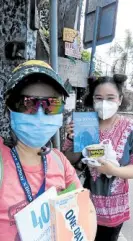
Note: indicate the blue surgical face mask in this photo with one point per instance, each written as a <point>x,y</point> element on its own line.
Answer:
<point>35,130</point>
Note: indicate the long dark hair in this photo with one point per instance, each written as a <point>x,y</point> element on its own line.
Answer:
<point>117,80</point>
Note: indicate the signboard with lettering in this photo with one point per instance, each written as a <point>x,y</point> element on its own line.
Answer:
<point>72,50</point>
<point>69,35</point>
<point>72,43</point>
<point>77,72</point>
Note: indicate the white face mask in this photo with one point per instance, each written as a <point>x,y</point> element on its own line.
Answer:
<point>106,109</point>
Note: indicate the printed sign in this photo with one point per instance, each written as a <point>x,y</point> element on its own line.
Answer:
<point>69,35</point>
<point>74,49</point>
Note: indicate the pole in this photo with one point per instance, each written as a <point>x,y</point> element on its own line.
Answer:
<point>54,51</point>
<point>54,35</point>
<point>94,43</point>
<point>76,18</point>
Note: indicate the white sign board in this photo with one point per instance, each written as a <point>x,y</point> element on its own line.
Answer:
<point>74,49</point>
<point>77,72</point>
<point>71,102</point>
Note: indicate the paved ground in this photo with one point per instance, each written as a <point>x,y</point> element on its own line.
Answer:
<point>128,226</point>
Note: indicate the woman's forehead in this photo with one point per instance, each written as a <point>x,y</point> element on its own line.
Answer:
<point>106,89</point>
<point>40,89</point>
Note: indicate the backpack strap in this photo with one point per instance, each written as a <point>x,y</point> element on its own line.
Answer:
<point>1,169</point>
<point>58,160</point>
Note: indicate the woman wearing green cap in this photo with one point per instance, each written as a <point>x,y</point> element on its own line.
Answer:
<point>34,99</point>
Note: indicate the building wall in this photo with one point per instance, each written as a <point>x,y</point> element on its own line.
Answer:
<point>129,97</point>
<point>14,26</point>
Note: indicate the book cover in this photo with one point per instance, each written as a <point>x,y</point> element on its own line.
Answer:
<point>34,221</point>
<point>86,129</point>
<point>72,217</point>
<point>50,217</point>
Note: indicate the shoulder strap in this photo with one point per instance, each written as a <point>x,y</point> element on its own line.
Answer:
<point>58,160</point>
<point>1,169</point>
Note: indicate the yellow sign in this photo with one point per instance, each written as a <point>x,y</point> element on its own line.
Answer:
<point>69,35</point>
<point>96,153</point>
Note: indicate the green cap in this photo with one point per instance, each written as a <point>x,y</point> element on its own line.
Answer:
<point>33,67</point>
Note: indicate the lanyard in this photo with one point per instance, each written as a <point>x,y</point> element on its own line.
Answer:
<point>22,178</point>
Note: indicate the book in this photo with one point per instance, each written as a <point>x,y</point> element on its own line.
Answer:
<point>86,130</point>
<point>72,217</point>
<point>53,217</point>
<point>34,221</point>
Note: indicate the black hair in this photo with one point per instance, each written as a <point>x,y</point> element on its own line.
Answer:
<point>11,141</point>
<point>117,80</point>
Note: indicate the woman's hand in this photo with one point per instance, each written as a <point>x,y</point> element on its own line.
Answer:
<point>107,168</point>
<point>70,130</point>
